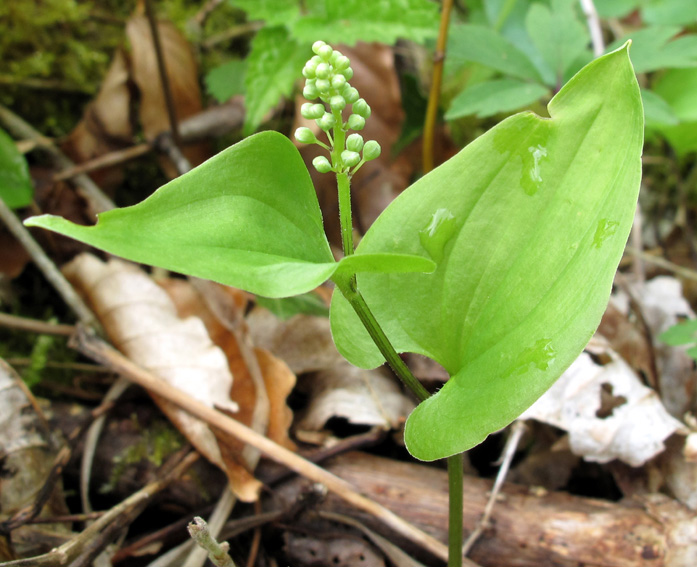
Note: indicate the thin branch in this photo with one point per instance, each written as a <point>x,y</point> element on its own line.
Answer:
<point>217,552</point>
<point>47,267</point>
<point>508,453</point>
<point>97,349</point>
<point>434,94</point>
<point>35,326</point>
<point>594,27</point>
<point>98,201</point>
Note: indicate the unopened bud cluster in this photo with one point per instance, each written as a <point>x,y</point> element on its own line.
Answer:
<point>327,76</point>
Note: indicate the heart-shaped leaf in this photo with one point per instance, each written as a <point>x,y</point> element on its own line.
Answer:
<point>248,217</point>
<point>527,225</point>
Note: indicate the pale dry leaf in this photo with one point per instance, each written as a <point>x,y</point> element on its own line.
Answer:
<point>679,470</point>
<point>142,322</point>
<point>663,305</point>
<point>607,411</point>
<point>336,388</point>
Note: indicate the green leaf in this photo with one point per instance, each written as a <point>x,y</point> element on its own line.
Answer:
<point>657,111</point>
<point>226,80</point>
<point>286,307</point>
<point>491,97</point>
<point>349,21</point>
<point>16,188</point>
<point>527,225</point>
<point>273,66</point>
<point>653,48</point>
<point>684,333</point>
<point>616,8</point>
<point>558,35</point>
<point>678,87</point>
<point>248,218</point>
<point>670,12</point>
<point>273,12</point>
<point>483,45</point>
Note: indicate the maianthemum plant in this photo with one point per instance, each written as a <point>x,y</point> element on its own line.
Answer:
<point>498,264</point>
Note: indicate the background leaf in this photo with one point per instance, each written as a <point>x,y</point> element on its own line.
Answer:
<point>527,225</point>
<point>653,48</point>
<point>349,21</point>
<point>491,97</point>
<point>678,87</point>
<point>227,80</point>
<point>559,36</point>
<point>273,12</point>
<point>16,188</point>
<point>273,66</point>
<point>483,45</point>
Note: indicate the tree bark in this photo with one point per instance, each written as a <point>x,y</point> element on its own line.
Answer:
<point>528,528</point>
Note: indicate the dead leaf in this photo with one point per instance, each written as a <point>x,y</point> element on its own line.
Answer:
<point>142,322</point>
<point>182,71</point>
<point>26,455</point>
<point>335,388</point>
<point>607,411</point>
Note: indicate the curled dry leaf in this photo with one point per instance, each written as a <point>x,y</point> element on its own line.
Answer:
<point>142,322</point>
<point>607,411</point>
<point>264,411</point>
<point>336,388</point>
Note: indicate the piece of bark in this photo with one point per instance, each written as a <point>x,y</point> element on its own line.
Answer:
<point>528,528</point>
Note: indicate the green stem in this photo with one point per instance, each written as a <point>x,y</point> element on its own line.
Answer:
<point>347,286</point>
<point>344,185</point>
<point>455,503</point>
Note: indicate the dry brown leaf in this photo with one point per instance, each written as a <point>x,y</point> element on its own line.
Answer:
<point>142,322</point>
<point>336,388</point>
<point>182,72</point>
<point>277,377</point>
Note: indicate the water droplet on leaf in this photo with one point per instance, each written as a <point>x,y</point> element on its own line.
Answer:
<point>606,228</point>
<point>436,234</point>
<point>540,356</point>
<point>531,179</point>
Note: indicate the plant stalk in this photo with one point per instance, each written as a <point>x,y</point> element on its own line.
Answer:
<point>455,503</point>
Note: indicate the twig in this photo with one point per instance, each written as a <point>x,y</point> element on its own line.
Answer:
<point>681,271</point>
<point>98,201</point>
<point>92,346</point>
<point>71,550</point>
<point>217,552</point>
<point>35,326</point>
<point>47,267</point>
<point>107,160</point>
<point>593,27</point>
<point>434,94</point>
<point>197,556</point>
<point>162,70</point>
<point>508,453</point>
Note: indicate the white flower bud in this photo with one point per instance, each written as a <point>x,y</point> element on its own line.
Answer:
<point>317,46</point>
<point>350,94</point>
<point>350,158</point>
<point>348,73</point>
<point>310,91</point>
<point>305,135</point>
<point>354,142</point>
<point>322,85</point>
<point>322,164</point>
<point>335,57</point>
<point>312,111</point>
<point>323,71</point>
<point>371,150</point>
<point>326,122</point>
<point>361,108</point>
<point>342,63</point>
<point>325,52</point>
<point>356,122</point>
<point>337,102</point>
<point>338,82</point>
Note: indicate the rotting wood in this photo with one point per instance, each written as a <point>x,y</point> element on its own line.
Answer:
<point>528,528</point>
